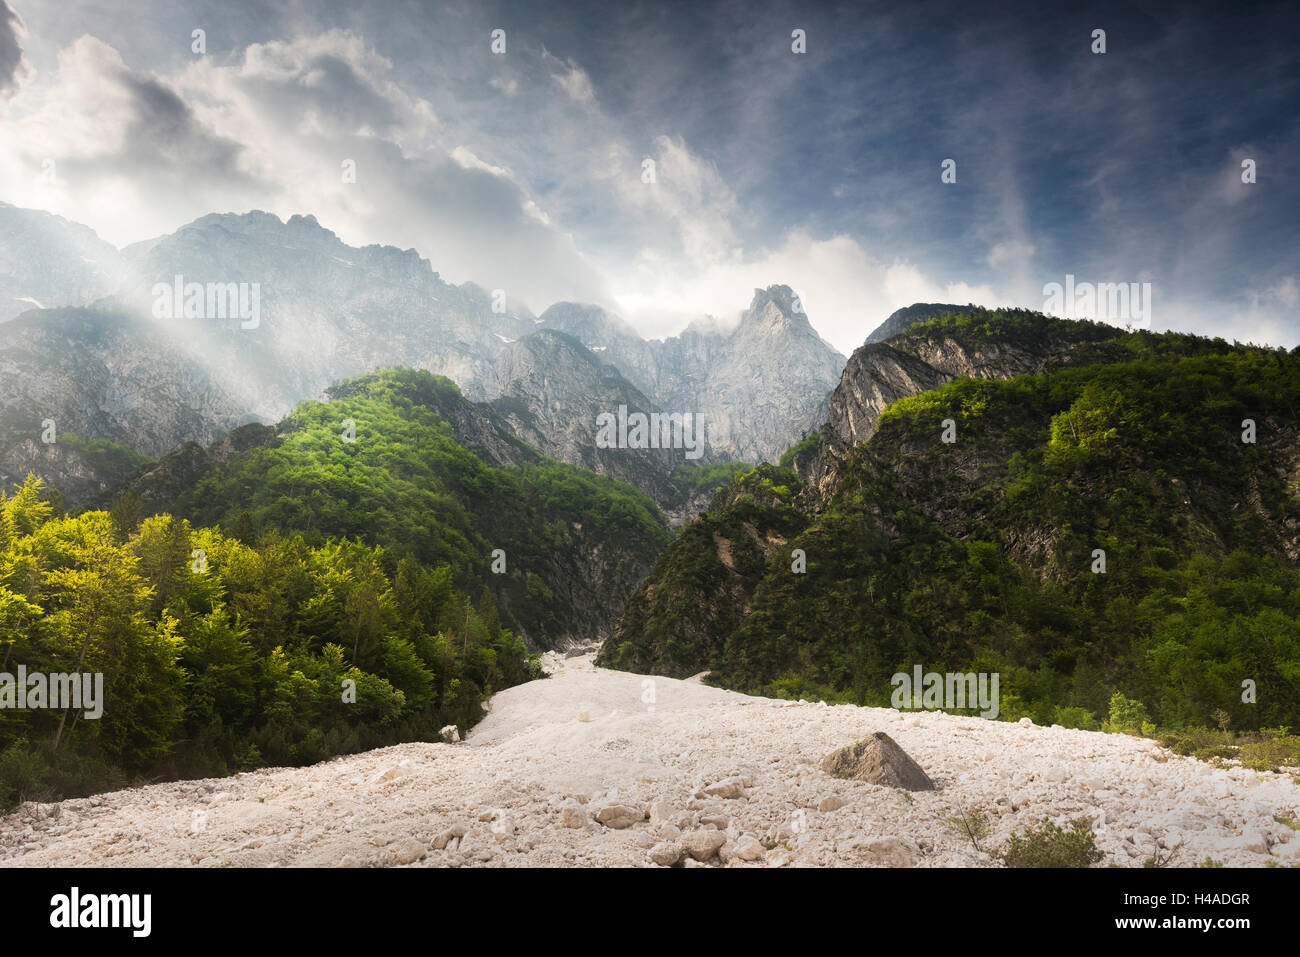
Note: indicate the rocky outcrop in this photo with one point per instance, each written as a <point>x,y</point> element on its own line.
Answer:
<point>881,373</point>
<point>877,760</point>
<point>876,376</point>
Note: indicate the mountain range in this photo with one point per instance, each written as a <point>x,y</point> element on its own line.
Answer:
<point>376,476</point>
<point>106,365</point>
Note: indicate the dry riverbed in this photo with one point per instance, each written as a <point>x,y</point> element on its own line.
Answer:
<point>598,768</point>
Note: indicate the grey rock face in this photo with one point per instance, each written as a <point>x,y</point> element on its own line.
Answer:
<point>769,378</point>
<point>98,375</point>
<point>883,372</point>
<point>878,760</point>
<point>550,389</point>
<point>760,385</point>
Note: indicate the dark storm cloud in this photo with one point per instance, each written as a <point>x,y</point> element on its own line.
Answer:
<point>163,143</point>
<point>165,134</point>
<point>1104,166</point>
<point>11,54</point>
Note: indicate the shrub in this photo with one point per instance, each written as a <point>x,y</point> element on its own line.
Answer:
<point>1048,845</point>
<point>973,824</point>
<point>21,772</point>
<point>1072,717</point>
<point>1270,750</point>
<point>1126,714</point>
<point>1201,742</point>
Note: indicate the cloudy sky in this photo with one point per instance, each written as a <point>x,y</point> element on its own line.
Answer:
<point>523,170</point>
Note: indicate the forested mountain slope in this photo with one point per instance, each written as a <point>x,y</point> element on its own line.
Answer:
<point>395,540</point>
<point>400,459</point>
<point>979,554</point>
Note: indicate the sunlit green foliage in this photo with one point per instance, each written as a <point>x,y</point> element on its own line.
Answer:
<point>690,479</point>
<point>220,656</point>
<point>408,484</point>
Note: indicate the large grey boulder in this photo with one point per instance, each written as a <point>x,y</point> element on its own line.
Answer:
<point>878,760</point>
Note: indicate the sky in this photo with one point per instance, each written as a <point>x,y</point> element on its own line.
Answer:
<point>525,170</point>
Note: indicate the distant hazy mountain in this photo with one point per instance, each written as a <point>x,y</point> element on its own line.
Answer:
<point>327,310</point>
<point>46,261</point>
<point>152,366</point>
<point>758,385</point>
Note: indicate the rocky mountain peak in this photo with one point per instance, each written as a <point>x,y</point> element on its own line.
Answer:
<point>328,311</point>
<point>776,308</point>
<point>297,232</point>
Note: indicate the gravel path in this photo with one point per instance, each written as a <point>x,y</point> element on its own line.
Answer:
<point>597,767</point>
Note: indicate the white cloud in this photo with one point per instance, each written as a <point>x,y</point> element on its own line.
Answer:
<point>846,291</point>
<point>129,156</point>
<point>139,156</point>
<point>1010,253</point>
<point>269,128</point>
<point>574,81</point>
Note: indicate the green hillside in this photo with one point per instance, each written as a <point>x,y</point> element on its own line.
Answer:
<point>979,555</point>
<point>575,543</point>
